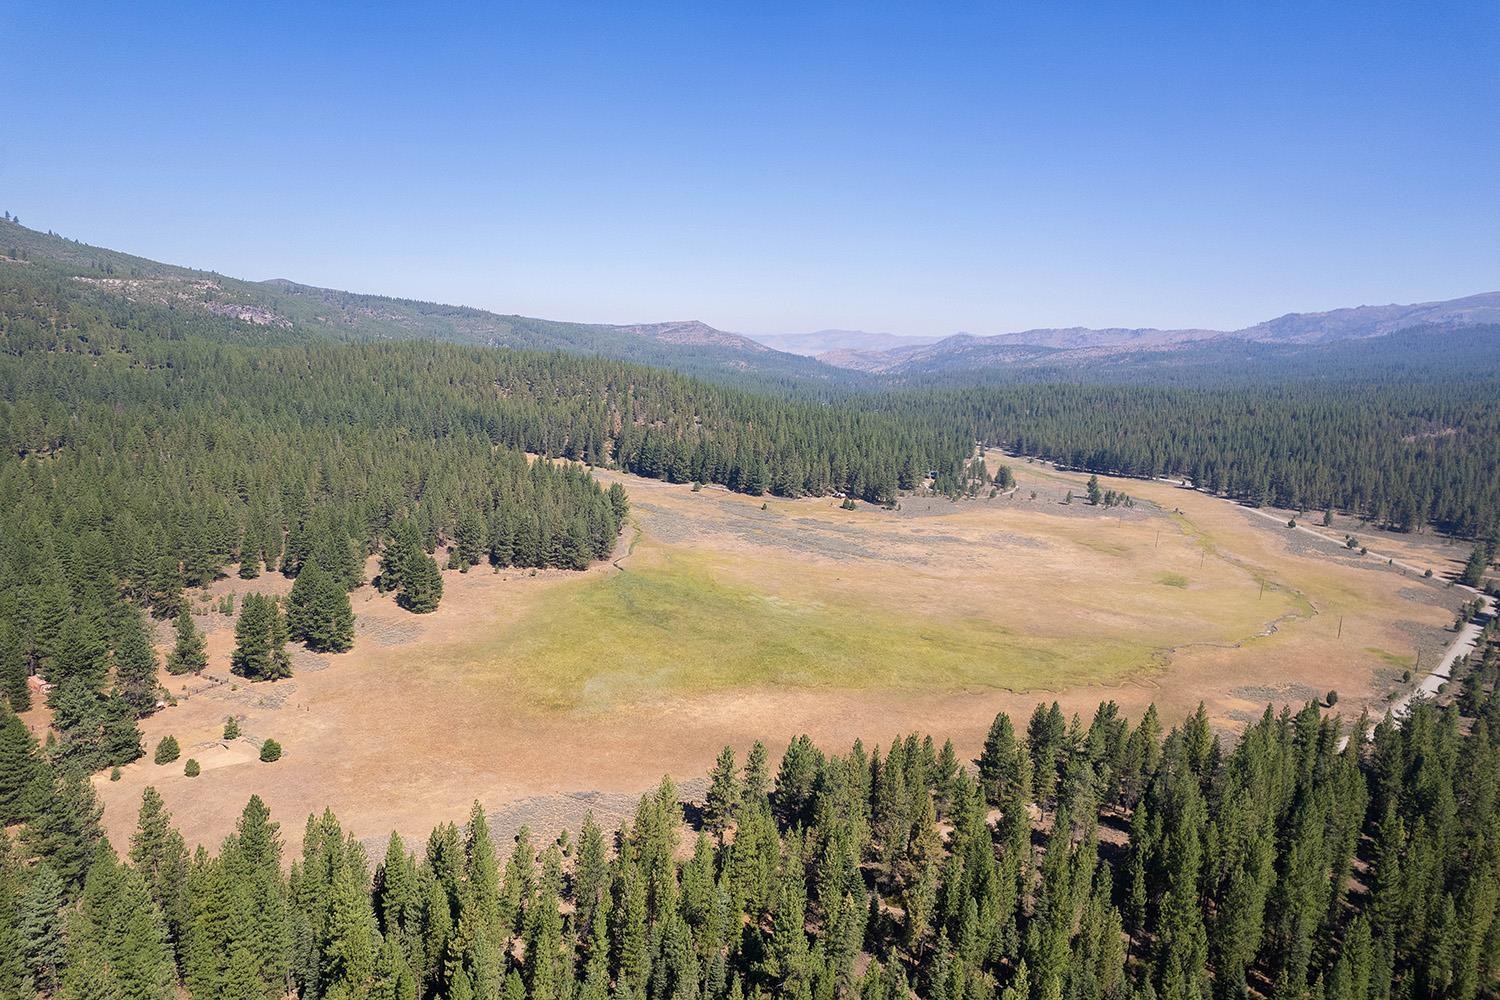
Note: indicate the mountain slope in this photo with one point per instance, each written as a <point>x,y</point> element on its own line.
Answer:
<point>1456,333</point>
<point>290,309</point>
<point>1373,321</point>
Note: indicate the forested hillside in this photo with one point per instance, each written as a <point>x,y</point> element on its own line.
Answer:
<point>280,309</point>
<point>1402,428</point>
<point>1092,861</point>
<point>154,448</point>
<point>1403,454</point>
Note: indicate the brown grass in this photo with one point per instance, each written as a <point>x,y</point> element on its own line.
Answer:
<point>525,685</point>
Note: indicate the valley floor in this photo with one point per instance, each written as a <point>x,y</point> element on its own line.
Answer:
<point>726,618</point>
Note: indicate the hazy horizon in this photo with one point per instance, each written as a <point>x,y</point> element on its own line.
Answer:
<point>780,171</point>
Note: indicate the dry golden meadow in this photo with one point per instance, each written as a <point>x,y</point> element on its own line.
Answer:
<point>721,621</point>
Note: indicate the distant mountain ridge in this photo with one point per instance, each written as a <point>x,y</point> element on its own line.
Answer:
<point>824,341</point>
<point>1082,345</point>
<point>694,332</point>
<point>1293,345</point>
<point>1373,321</point>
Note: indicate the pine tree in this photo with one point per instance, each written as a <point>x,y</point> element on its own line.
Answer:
<point>544,935</point>
<point>723,794</point>
<point>135,665</point>
<point>595,985</point>
<point>1045,738</point>
<point>631,958</point>
<point>339,556</point>
<point>1095,493</point>
<point>158,852</point>
<point>21,769</point>
<point>15,668</point>
<point>96,729</point>
<point>188,654</point>
<point>392,978</point>
<point>482,876</point>
<point>1478,564</point>
<point>40,926</point>
<point>1002,764</point>
<point>468,541</point>
<point>118,918</point>
<point>260,640</point>
<point>421,584</point>
<point>799,769</point>
<point>164,590</point>
<point>590,876</point>
<point>318,611</point>
<point>87,971</point>
<point>349,953</point>
<point>396,894</point>
<point>84,655</point>
<point>13,970</point>
<point>1181,943</point>
<point>167,750</point>
<point>64,829</point>
<point>398,553</point>
<point>757,777</point>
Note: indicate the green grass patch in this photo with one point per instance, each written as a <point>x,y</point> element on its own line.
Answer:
<point>1173,580</point>
<point>1394,660</point>
<point>676,628</point>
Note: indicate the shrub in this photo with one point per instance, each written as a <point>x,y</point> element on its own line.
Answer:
<point>1406,677</point>
<point>231,728</point>
<point>191,768</point>
<point>1428,574</point>
<point>114,774</point>
<point>270,751</point>
<point>1292,523</point>
<point>1333,698</point>
<point>167,750</point>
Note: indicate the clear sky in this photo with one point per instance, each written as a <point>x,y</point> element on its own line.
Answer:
<point>915,168</point>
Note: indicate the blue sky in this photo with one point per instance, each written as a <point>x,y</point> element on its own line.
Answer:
<point>915,168</point>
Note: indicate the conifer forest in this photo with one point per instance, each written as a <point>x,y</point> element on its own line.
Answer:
<point>155,447</point>
<point>1106,859</point>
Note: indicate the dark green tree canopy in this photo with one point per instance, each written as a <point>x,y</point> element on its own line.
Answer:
<point>260,637</point>
<point>318,611</point>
